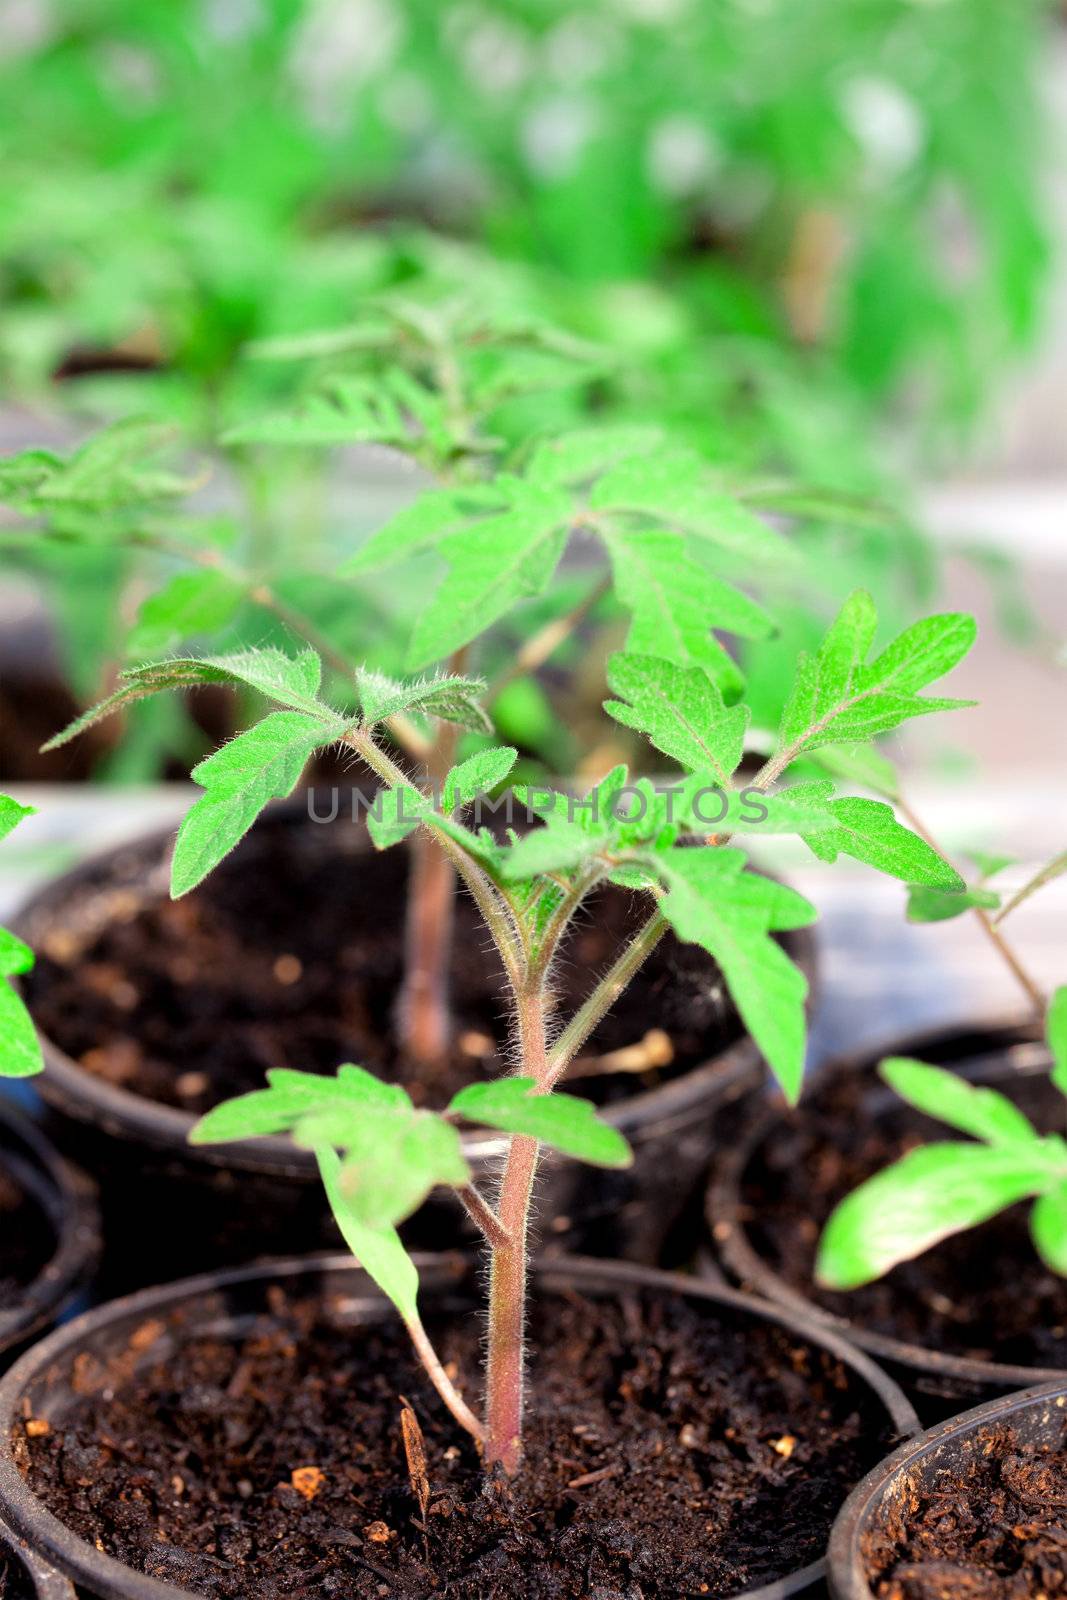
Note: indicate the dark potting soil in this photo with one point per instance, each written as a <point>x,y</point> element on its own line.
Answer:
<point>26,1238</point>
<point>671,1450</point>
<point>984,1294</point>
<point>15,1581</point>
<point>290,955</point>
<point>995,1529</point>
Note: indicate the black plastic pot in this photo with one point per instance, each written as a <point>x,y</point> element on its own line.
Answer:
<point>230,1302</point>
<point>222,1205</point>
<point>1038,1416</point>
<point>67,1200</point>
<point>45,1581</point>
<point>939,1383</point>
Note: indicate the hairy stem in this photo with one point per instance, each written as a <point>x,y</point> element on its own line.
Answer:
<point>483,1216</point>
<point>504,1381</point>
<point>441,1381</point>
<point>425,1018</point>
<point>603,997</point>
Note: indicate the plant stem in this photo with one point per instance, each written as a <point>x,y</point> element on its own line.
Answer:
<point>424,1016</point>
<point>441,1381</point>
<point>537,649</point>
<point>1000,944</point>
<point>603,997</point>
<point>504,1380</point>
<point>483,1216</point>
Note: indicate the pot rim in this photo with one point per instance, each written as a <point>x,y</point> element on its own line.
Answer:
<point>70,1202</point>
<point>110,1578</point>
<point>77,1093</point>
<point>48,1584</point>
<point>846,1573</point>
<point>725,1219</point>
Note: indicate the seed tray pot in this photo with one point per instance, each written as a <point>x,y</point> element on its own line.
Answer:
<point>24,1576</point>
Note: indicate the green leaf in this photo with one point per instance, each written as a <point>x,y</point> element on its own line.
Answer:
<point>937,1092</point>
<point>113,470</point>
<point>868,831</point>
<point>191,603</point>
<point>941,905</point>
<point>573,830</point>
<point>928,1195</point>
<point>492,565</point>
<point>681,711</point>
<point>262,764</point>
<point>710,901</point>
<point>342,410</point>
<point>422,525</point>
<point>11,814</point>
<point>15,957</point>
<point>20,1048</point>
<point>1056,1034</point>
<point>292,681</point>
<point>453,699</point>
<point>586,453</point>
<point>859,764</point>
<point>378,1250</point>
<point>396,813</point>
<point>839,699</point>
<point>1048,1228</point>
<point>479,774</point>
<point>562,1121</point>
<point>391,1154</point>
<point>675,603</point>
<point>676,487</point>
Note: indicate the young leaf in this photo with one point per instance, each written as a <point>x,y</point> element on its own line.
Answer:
<point>112,470</point>
<point>868,831</point>
<point>291,681</point>
<point>675,604</point>
<point>453,699</point>
<point>396,813</point>
<point>711,902</point>
<point>937,1092</point>
<point>941,905</point>
<point>476,776</point>
<point>929,1194</point>
<point>1048,1228</point>
<point>342,410</point>
<point>378,1250</point>
<point>262,764</point>
<point>838,699</point>
<point>681,711</point>
<point>1056,1034</point>
<point>561,1120</point>
<point>492,565</point>
<point>11,814</point>
<point>422,525</point>
<point>586,453</point>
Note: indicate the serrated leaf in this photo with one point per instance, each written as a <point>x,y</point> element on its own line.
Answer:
<point>710,901</point>
<point>936,1092</point>
<point>1048,1228</point>
<point>839,699</point>
<point>453,699</point>
<point>676,487</point>
<point>292,681</point>
<point>422,525</point>
<point>477,775</point>
<point>573,830</point>
<point>492,565</point>
<point>396,813</point>
<point>191,603</point>
<point>681,711</point>
<point>1056,1034</point>
<point>941,905</point>
<point>378,1250</point>
<point>11,814</point>
<point>341,410</point>
<point>563,1121</point>
<point>675,603</point>
<point>928,1195</point>
<point>262,764</point>
<point>114,469</point>
<point>868,831</point>
<point>289,1096</point>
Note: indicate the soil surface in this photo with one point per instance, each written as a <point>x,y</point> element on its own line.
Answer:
<point>290,955</point>
<point>26,1239</point>
<point>948,1298</point>
<point>15,1581</point>
<point>671,1450</point>
<point>994,1530</point>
